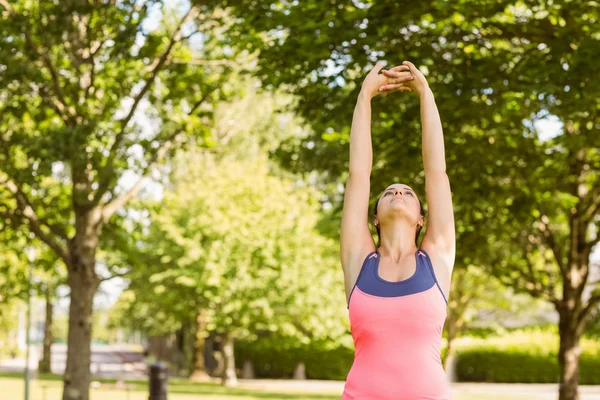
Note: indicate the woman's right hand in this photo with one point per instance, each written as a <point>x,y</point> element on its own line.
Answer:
<point>375,80</point>
<point>418,84</point>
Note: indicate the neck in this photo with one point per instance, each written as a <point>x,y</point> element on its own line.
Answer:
<point>398,239</point>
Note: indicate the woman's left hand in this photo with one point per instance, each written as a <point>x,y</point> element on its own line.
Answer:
<point>418,85</point>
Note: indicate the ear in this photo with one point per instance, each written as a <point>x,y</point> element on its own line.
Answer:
<point>375,222</point>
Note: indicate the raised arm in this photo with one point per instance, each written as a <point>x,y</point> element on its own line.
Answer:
<point>440,235</point>
<point>355,238</point>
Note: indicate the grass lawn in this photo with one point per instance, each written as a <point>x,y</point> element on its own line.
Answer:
<point>13,388</point>
<point>50,388</point>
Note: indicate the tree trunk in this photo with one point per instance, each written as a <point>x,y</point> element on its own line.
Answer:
<point>450,361</point>
<point>248,371</point>
<point>83,282</point>
<point>199,373</point>
<point>178,356</point>
<point>453,327</point>
<point>77,372</point>
<point>568,358</point>
<point>299,371</point>
<point>45,364</point>
<point>160,348</point>
<point>229,376</point>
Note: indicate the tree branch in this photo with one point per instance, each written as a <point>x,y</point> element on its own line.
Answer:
<point>43,93</point>
<point>535,283</point>
<point>11,215</point>
<point>46,61</point>
<point>53,73</point>
<point>114,205</point>
<point>6,5</point>
<point>85,53</point>
<point>202,62</point>
<point>551,241</point>
<point>119,275</point>
<point>119,202</point>
<point>592,204</point>
<point>36,224</point>
<point>531,285</point>
<point>590,245</point>
<point>586,312</point>
<point>509,32</point>
<point>23,201</point>
<point>154,70</point>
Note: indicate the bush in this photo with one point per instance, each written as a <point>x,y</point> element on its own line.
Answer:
<point>277,358</point>
<point>479,365</point>
<point>525,356</point>
<point>522,357</point>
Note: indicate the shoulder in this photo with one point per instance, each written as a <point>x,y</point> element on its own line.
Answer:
<point>354,267</point>
<point>441,256</point>
<point>442,261</point>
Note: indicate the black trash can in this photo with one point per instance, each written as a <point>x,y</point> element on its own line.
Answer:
<point>159,374</point>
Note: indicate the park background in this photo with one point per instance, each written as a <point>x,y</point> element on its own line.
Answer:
<point>172,176</point>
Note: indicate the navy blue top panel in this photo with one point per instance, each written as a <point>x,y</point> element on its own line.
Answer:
<point>371,283</point>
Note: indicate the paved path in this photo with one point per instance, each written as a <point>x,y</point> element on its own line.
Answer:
<point>107,361</point>
<point>475,390</point>
<point>121,362</point>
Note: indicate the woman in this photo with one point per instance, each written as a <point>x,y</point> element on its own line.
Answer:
<point>397,291</point>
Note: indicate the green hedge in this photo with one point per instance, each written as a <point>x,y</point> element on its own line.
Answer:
<point>522,357</point>
<point>519,357</point>
<point>277,359</point>
<point>479,365</point>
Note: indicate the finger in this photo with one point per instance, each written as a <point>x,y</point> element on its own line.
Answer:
<point>407,77</point>
<point>385,88</point>
<point>400,68</point>
<point>402,89</point>
<point>411,66</point>
<point>396,74</point>
<point>375,70</point>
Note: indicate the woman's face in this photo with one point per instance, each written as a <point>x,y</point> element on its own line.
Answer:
<point>399,198</point>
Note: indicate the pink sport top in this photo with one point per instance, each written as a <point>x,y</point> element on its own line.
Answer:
<point>397,333</point>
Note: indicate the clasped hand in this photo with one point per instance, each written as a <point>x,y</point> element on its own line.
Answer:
<point>402,78</point>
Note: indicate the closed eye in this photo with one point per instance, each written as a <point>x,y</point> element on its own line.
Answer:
<point>407,192</point>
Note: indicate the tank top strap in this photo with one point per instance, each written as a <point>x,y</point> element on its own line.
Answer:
<point>422,255</point>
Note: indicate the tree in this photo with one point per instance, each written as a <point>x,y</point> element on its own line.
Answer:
<point>76,78</point>
<point>53,276</point>
<point>482,301</point>
<point>19,281</point>
<point>530,207</point>
<point>13,287</point>
<point>232,246</point>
